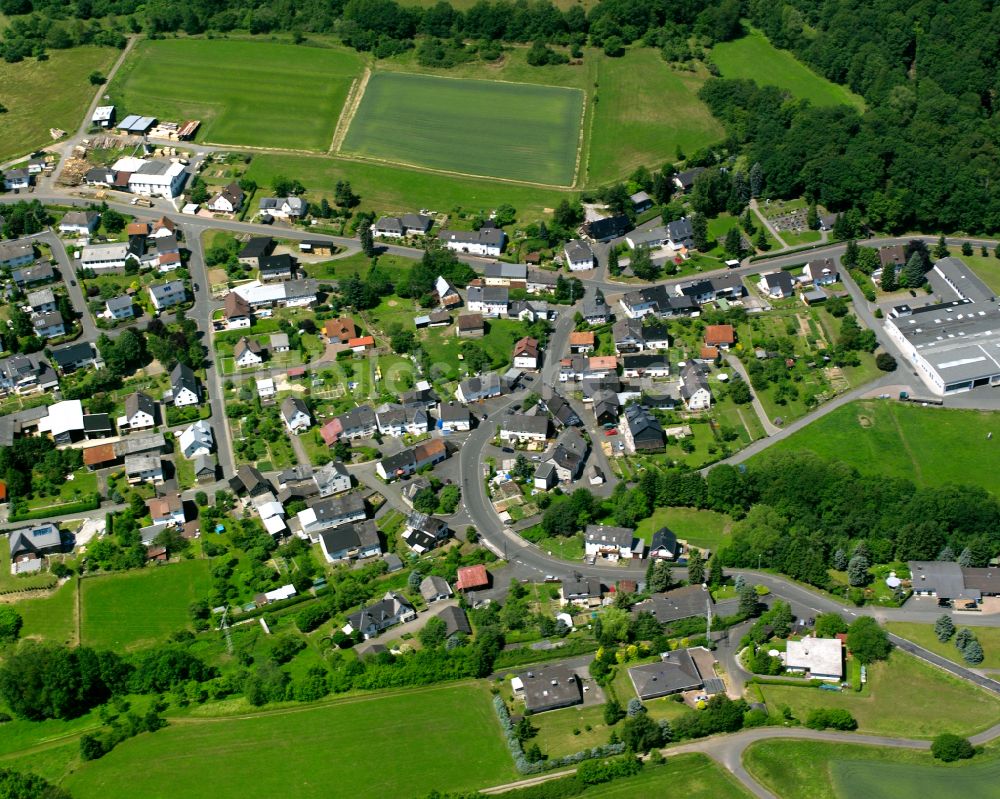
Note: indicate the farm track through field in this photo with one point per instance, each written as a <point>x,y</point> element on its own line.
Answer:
<point>354,96</point>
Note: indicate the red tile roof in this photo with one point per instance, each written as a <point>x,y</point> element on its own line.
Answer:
<point>719,334</point>
<point>472,577</point>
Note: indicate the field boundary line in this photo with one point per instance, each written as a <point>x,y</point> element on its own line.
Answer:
<point>487,80</point>
<point>354,97</point>
<point>581,141</point>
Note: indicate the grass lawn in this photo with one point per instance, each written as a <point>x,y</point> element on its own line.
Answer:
<point>506,130</point>
<point>814,770</point>
<point>47,94</point>
<point>395,266</point>
<point>798,239</point>
<point>703,528</point>
<point>923,635</point>
<point>244,92</point>
<point>754,57</point>
<point>52,618</point>
<point>692,776</point>
<point>644,112</point>
<point>452,734</point>
<point>84,483</point>
<point>905,440</point>
<point>902,694</point>
<point>124,611</point>
<point>393,189</point>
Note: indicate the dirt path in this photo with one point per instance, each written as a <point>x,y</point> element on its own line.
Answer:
<point>354,97</point>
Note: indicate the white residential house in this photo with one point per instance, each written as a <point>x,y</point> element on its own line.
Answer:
<point>453,418</point>
<point>158,178</point>
<point>695,392</point>
<point>168,294</point>
<point>486,241</point>
<point>42,301</point>
<point>526,353</point>
<point>168,510</point>
<point>265,388</point>
<point>488,300</point>
<point>247,352</point>
<point>143,469</point>
<point>579,256</point>
<point>196,440</point>
<point>776,285</point>
<point>119,308</point>
<point>80,223</point>
<point>522,428</point>
<point>609,543</point>
<point>105,257</point>
<point>49,325</point>
<point>821,273</point>
<point>140,412</point>
<point>819,658</point>
<point>295,414</point>
<point>184,387</point>
<point>332,478</point>
<point>283,207</point>
<point>16,179</point>
<point>236,311</point>
<point>227,201</point>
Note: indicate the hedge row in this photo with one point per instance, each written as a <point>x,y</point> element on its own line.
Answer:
<point>58,510</point>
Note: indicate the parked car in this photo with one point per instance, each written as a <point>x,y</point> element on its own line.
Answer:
<point>611,432</point>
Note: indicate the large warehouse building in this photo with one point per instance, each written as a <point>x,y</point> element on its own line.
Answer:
<point>954,345</point>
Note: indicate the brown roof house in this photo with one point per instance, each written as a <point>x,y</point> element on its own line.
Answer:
<point>471,326</point>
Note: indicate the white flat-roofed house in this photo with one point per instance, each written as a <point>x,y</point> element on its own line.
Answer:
<point>158,178</point>
<point>579,256</point>
<point>818,658</point>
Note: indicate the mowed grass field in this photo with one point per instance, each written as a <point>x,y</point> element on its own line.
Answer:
<point>391,189</point>
<point>930,445</point>
<point>691,776</point>
<point>923,635</point>
<point>249,93</point>
<point>754,57</point>
<point>47,94</point>
<point>505,130</point>
<point>904,696</point>
<point>816,770</point>
<point>442,737</point>
<point>644,112</point>
<point>136,608</point>
<point>703,528</point>
<point>50,618</point>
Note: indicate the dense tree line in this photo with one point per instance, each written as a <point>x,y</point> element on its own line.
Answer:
<point>382,26</point>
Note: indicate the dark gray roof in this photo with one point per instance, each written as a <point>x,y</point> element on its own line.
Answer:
<point>72,353</point>
<point>664,538</point>
<point>676,672</point>
<point>182,376</point>
<point>549,687</point>
<point>681,603</point>
<point>455,621</point>
<point>257,247</point>
<point>119,303</point>
<point>139,402</point>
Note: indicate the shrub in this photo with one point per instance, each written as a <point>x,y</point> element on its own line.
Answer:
<point>834,718</point>
<point>949,748</point>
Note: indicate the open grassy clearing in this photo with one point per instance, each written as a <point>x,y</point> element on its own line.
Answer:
<point>506,130</point>
<point>703,528</point>
<point>389,189</point>
<point>47,94</point>
<point>452,740</point>
<point>259,94</point>
<point>644,112</point>
<point>923,635</point>
<point>122,611</point>
<point>902,693</point>
<point>53,617</point>
<point>815,770</point>
<point>754,57</point>
<point>906,440</point>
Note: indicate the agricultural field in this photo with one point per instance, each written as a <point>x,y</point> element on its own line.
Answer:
<point>902,693</point>
<point>435,723</point>
<point>703,528</point>
<point>496,129</point>
<point>814,770</point>
<point>905,440</point>
<point>259,94</point>
<point>137,608</point>
<point>754,57</point>
<point>644,112</point>
<point>47,94</point>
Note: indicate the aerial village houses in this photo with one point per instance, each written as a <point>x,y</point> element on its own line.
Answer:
<point>485,241</point>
